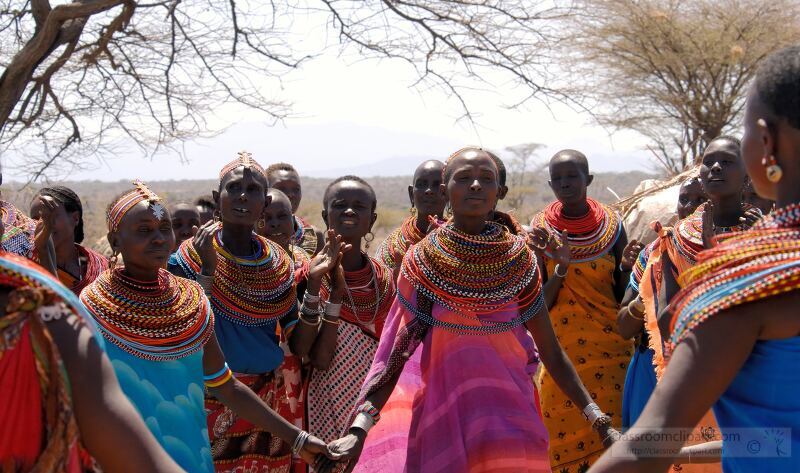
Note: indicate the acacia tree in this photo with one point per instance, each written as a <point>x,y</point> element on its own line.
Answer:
<point>82,76</point>
<point>675,71</point>
<point>520,166</point>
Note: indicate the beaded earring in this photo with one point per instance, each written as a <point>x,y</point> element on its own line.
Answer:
<point>368,239</point>
<point>413,211</point>
<point>774,171</point>
<point>112,262</point>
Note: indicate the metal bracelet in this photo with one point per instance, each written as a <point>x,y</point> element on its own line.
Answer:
<point>332,309</point>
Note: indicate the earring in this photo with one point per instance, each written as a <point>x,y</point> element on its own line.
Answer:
<point>368,239</point>
<point>774,171</point>
<point>112,262</point>
<point>448,212</point>
<point>261,223</point>
<point>413,211</point>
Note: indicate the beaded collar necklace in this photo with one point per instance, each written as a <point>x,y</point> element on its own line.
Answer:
<point>688,234</point>
<point>590,236</point>
<point>474,275</point>
<point>370,293</point>
<point>743,267</point>
<point>19,230</point>
<point>255,290</point>
<point>394,247</point>
<point>160,320</point>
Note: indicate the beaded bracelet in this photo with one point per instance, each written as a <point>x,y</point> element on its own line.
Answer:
<point>372,411</point>
<point>219,378</point>
<point>304,310</point>
<point>300,441</point>
<point>310,298</point>
<point>332,309</point>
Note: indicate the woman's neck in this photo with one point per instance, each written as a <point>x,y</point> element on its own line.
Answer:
<point>727,210</point>
<point>353,260</point>
<point>787,194</point>
<point>575,210</point>
<point>67,256</point>
<point>237,239</point>
<point>470,225</point>
<point>422,223</point>
<point>141,274</point>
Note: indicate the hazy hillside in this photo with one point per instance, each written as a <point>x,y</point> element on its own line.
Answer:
<point>392,193</point>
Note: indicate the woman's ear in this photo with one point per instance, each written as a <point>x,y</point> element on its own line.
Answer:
<point>113,241</point>
<point>589,179</point>
<point>373,220</point>
<point>325,218</point>
<point>411,195</point>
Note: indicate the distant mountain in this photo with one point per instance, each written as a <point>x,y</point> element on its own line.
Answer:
<point>395,166</point>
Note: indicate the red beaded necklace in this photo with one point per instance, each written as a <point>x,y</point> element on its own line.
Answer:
<point>590,236</point>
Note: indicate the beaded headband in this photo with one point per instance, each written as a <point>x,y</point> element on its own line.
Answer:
<point>139,193</point>
<point>452,156</point>
<point>245,160</point>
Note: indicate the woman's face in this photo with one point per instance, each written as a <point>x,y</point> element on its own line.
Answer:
<point>425,195</point>
<point>144,237</point>
<point>242,197</point>
<point>350,210</point>
<point>690,196</point>
<point>287,182</point>
<point>472,186</point>
<point>568,180</point>
<point>185,217</point>
<point>721,170</point>
<point>278,221</point>
<point>64,223</point>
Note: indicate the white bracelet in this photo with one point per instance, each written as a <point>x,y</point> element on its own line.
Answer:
<point>363,421</point>
<point>310,298</point>
<point>333,310</point>
<point>592,412</point>
<point>557,274</point>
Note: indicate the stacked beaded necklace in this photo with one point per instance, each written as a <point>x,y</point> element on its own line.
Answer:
<point>301,262</point>
<point>688,234</point>
<point>394,247</point>
<point>255,290</point>
<point>18,231</point>
<point>590,236</point>
<point>370,294</point>
<point>473,275</point>
<point>641,263</point>
<point>305,236</point>
<point>95,264</point>
<point>160,320</point>
<point>743,267</point>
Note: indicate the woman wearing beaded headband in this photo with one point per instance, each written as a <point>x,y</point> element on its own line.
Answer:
<point>77,265</point>
<point>160,333</point>
<point>585,281</point>
<point>426,202</point>
<point>358,295</point>
<point>467,292</point>
<point>253,296</point>
<point>735,323</point>
<point>58,391</point>
<point>285,178</point>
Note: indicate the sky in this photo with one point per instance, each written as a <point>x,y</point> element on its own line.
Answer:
<point>363,116</point>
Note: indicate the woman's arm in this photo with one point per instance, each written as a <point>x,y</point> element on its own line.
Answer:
<point>622,264</point>
<point>630,319</point>
<point>244,402</point>
<point>714,352</point>
<point>325,345</point>
<point>105,416</point>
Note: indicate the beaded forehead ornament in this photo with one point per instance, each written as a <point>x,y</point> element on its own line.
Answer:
<point>243,159</point>
<point>139,193</point>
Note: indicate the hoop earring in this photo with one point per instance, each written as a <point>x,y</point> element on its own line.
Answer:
<point>773,170</point>
<point>261,223</point>
<point>448,212</point>
<point>368,239</point>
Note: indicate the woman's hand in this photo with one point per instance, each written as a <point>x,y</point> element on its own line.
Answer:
<point>608,436</point>
<point>339,285</point>
<point>349,447</point>
<point>559,249</point>
<point>317,454</point>
<point>709,229</point>
<point>203,241</point>
<point>538,238</point>
<point>326,260</point>
<point>42,239</point>
<point>630,254</point>
<point>751,217</point>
